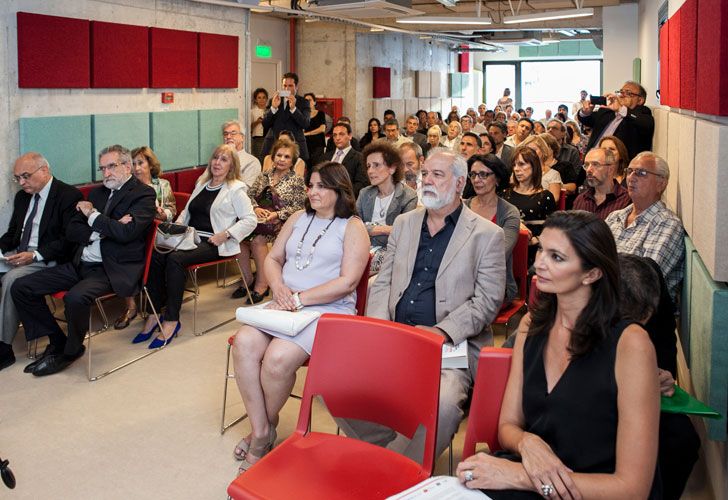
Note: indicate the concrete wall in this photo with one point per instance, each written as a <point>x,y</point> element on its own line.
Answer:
<point>177,14</point>
<point>620,30</point>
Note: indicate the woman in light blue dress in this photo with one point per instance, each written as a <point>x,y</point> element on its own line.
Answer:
<point>316,262</point>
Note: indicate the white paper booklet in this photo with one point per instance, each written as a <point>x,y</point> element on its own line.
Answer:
<point>4,267</point>
<point>285,322</point>
<point>455,356</point>
<point>440,488</point>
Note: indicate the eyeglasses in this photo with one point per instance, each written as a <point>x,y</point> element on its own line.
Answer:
<point>640,172</point>
<point>595,164</point>
<point>110,166</point>
<point>25,176</point>
<point>232,133</point>
<point>626,93</point>
<point>482,175</point>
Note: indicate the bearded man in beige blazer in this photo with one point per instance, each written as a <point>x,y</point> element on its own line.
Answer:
<point>445,272</point>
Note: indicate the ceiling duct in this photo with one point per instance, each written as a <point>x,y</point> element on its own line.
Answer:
<point>364,9</point>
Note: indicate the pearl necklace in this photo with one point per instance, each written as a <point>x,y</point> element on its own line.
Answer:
<point>299,266</point>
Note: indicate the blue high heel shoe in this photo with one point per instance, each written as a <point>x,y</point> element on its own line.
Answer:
<point>157,342</point>
<point>144,336</point>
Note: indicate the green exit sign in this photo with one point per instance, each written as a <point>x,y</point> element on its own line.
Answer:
<point>263,51</point>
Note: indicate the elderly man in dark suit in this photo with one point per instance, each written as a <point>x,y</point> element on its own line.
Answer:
<point>287,112</point>
<point>109,258</point>
<point>346,155</point>
<point>35,238</point>
<point>625,116</point>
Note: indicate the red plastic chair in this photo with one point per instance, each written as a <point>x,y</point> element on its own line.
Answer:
<point>362,290</point>
<point>180,201</point>
<point>186,179</point>
<point>520,274</point>
<point>363,368</point>
<point>490,385</point>
<point>170,177</point>
<point>224,261</point>
<point>149,247</point>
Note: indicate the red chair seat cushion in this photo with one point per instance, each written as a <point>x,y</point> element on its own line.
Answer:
<point>320,465</point>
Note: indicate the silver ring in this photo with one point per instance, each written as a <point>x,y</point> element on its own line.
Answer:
<point>546,490</point>
<point>468,475</point>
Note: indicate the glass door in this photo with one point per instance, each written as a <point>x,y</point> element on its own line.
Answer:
<point>499,76</point>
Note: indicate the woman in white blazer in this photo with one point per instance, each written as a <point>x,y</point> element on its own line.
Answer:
<point>221,212</point>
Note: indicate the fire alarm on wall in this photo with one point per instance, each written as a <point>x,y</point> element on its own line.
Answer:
<point>167,97</point>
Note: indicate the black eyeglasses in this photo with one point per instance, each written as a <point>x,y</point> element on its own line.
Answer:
<point>482,175</point>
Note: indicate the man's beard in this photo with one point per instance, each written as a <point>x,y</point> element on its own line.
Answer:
<point>437,201</point>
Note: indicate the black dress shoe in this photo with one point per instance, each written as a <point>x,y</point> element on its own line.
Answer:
<point>56,363</point>
<point>257,297</point>
<point>7,359</point>
<point>49,351</point>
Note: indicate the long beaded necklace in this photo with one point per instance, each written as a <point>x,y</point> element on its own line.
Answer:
<point>313,247</point>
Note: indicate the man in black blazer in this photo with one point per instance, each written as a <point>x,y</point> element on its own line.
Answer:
<point>110,258</point>
<point>345,154</point>
<point>288,112</point>
<point>330,146</point>
<point>625,116</point>
<point>35,237</point>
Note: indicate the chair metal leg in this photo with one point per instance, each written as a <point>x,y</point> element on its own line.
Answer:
<point>449,457</point>
<point>91,334</point>
<point>195,284</point>
<point>228,376</point>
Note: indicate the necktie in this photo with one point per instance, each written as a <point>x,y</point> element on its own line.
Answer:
<point>339,154</point>
<point>28,227</point>
<point>108,203</point>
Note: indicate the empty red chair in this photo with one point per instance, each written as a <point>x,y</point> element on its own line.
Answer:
<point>490,385</point>
<point>367,369</point>
<point>520,274</point>
<point>180,200</point>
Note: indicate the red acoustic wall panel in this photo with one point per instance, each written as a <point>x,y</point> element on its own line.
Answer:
<point>382,82</point>
<point>688,53</point>
<point>674,47</point>
<point>464,62</point>
<point>53,52</point>
<point>664,63</point>
<point>712,67</point>
<point>172,58</point>
<point>119,55</point>
<point>218,55</point>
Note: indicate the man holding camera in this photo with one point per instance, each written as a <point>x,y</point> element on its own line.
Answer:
<point>287,111</point>
<point>623,115</point>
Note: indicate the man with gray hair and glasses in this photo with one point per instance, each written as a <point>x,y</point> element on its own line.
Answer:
<point>604,194</point>
<point>232,133</point>
<point>444,272</point>
<point>35,238</point>
<point>648,228</point>
<point>110,258</point>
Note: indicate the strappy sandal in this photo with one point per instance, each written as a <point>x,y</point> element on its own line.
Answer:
<point>258,450</point>
<point>242,448</point>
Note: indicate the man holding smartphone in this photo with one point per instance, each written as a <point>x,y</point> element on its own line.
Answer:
<point>287,111</point>
<point>623,115</point>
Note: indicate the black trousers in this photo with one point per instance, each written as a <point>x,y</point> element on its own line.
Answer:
<point>84,283</point>
<point>168,274</point>
<point>678,452</point>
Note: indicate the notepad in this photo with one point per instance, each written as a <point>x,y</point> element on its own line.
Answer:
<point>440,488</point>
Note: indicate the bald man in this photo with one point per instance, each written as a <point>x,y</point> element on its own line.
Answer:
<point>35,238</point>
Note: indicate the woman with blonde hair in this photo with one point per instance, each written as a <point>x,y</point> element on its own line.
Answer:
<point>221,212</point>
<point>550,178</point>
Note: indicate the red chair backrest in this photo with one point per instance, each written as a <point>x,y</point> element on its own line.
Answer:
<point>519,256</point>
<point>148,249</point>
<point>376,370</point>
<point>562,200</point>
<point>180,200</point>
<point>362,289</point>
<point>490,385</point>
<point>86,189</point>
<point>532,292</point>
<point>186,179</point>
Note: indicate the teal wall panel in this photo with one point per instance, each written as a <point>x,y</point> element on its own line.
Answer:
<point>175,138</point>
<point>65,141</point>
<point>709,344</point>
<point>131,130</point>
<point>564,48</point>
<point>210,123</point>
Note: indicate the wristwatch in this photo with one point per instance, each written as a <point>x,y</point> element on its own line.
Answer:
<point>297,301</point>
